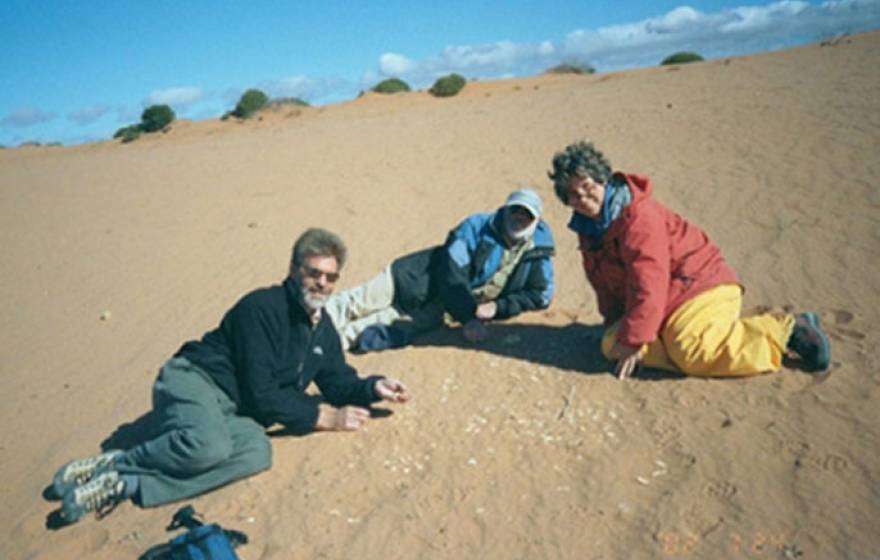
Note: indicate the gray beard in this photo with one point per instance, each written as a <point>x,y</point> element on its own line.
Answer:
<point>312,301</point>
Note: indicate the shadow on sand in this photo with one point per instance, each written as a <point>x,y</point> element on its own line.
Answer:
<point>574,347</point>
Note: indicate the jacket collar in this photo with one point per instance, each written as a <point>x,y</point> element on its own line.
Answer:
<point>639,186</point>
<point>298,312</point>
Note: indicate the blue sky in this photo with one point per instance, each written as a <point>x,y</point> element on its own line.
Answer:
<point>77,70</point>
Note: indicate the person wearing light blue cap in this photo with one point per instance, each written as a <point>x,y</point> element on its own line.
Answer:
<point>493,266</point>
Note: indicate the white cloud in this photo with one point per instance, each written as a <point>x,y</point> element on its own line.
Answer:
<point>735,31</point>
<point>25,117</point>
<point>675,21</point>
<point>751,18</point>
<point>503,53</point>
<point>490,59</point>
<point>304,87</point>
<point>391,64</point>
<point>178,97</point>
<point>546,48</point>
<point>88,115</point>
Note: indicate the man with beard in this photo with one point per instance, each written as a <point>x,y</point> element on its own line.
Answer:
<point>493,266</point>
<point>217,395</point>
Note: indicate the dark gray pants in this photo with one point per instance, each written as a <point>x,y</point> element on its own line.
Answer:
<point>203,443</point>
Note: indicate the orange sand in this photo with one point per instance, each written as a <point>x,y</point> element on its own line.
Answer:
<point>522,447</point>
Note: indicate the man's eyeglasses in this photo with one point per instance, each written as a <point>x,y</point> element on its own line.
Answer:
<point>314,273</point>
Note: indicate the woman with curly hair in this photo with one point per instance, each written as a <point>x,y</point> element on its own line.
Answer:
<point>668,297</point>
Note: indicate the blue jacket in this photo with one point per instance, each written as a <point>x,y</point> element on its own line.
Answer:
<point>468,259</point>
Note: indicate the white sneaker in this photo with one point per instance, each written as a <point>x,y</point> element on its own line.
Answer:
<point>81,471</point>
<point>101,495</point>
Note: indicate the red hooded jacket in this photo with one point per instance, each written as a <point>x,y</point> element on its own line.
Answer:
<point>650,261</point>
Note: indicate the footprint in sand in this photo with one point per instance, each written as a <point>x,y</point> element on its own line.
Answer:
<point>804,455</point>
<point>721,489</point>
<point>839,318</point>
<point>849,333</point>
<point>842,317</point>
<point>665,431</point>
<point>797,448</point>
<point>831,462</point>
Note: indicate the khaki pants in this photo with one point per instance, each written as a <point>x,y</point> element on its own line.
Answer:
<point>372,303</point>
<point>706,337</point>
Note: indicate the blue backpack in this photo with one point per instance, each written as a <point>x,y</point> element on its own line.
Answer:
<point>200,542</point>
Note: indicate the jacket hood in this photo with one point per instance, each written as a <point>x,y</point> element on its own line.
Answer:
<point>542,236</point>
<point>639,185</point>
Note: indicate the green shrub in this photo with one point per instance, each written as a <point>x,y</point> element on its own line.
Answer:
<point>251,101</point>
<point>571,68</point>
<point>447,86</point>
<point>391,85</point>
<point>280,102</point>
<point>681,57</point>
<point>129,133</point>
<point>127,130</point>
<point>156,117</point>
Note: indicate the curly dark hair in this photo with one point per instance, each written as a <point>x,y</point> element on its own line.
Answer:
<point>580,159</point>
<point>318,242</point>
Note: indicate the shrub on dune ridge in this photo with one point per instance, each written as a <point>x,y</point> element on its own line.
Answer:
<point>128,133</point>
<point>253,101</point>
<point>447,86</point>
<point>156,117</point>
<point>571,68</point>
<point>391,85</point>
<point>681,57</point>
<point>250,102</point>
<point>282,101</point>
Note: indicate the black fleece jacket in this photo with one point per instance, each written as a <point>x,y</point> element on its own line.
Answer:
<point>265,353</point>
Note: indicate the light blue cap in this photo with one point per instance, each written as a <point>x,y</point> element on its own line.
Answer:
<point>528,199</point>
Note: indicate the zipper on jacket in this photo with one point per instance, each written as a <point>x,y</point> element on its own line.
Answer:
<point>309,349</point>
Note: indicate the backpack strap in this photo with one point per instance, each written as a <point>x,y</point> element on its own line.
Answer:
<point>185,517</point>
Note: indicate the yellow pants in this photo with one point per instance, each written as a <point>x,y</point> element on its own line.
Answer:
<point>706,337</point>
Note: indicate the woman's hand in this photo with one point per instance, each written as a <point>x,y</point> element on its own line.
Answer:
<point>629,359</point>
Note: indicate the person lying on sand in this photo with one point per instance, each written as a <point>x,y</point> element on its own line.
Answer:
<point>494,265</point>
<point>217,395</point>
<point>668,297</point>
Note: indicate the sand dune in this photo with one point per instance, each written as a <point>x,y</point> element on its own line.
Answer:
<point>522,447</point>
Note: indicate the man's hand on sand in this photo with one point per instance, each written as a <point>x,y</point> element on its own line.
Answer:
<point>391,389</point>
<point>474,330</point>
<point>345,419</point>
<point>486,310</point>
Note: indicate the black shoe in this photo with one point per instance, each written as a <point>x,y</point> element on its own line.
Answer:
<point>380,337</point>
<point>810,342</point>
